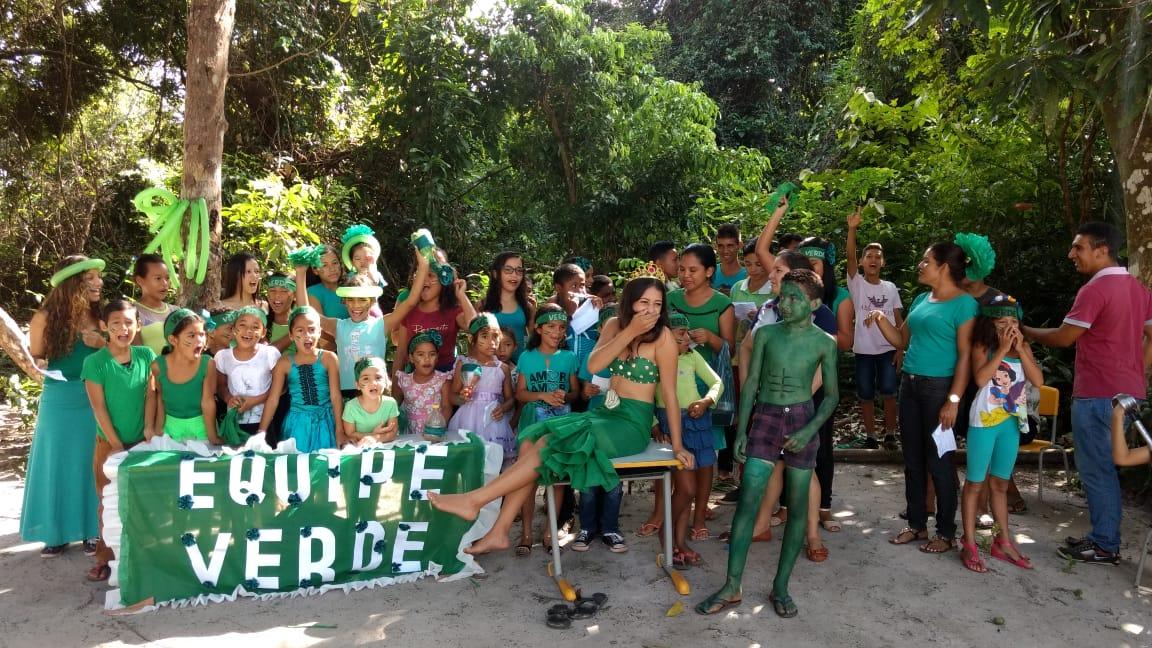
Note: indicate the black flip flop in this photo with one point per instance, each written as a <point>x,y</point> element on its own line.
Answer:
<point>586,608</point>
<point>784,606</point>
<point>523,550</point>
<point>559,617</point>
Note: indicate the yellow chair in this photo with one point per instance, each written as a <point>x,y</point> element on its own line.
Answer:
<point>1049,406</point>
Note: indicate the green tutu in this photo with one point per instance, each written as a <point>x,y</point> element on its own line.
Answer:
<point>185,429</point>
<point>581,446</point>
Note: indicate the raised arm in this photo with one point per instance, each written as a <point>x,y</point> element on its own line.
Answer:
<point>764,241</point>
<point>392,320</point>
<point>850,258</point>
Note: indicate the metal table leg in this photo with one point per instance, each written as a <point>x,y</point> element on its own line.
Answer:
<point>555,569</point>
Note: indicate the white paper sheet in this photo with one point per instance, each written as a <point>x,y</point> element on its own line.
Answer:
<point>945,440</point>
<point>585,317</point>
<point>743,310</point>
<point>54,374</point>
<point>602,382</point>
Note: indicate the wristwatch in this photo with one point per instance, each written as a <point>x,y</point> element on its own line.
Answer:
<point>954,399</point>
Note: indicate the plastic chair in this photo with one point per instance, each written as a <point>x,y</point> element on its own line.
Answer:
<point>1049,406</point>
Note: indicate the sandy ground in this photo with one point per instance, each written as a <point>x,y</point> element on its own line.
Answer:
<point>869,593</point>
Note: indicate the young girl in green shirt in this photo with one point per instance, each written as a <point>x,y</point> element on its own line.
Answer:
<point>186,380</point>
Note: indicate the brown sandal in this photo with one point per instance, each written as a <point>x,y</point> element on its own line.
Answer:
<point>938,545</point>
<point>908,535</point>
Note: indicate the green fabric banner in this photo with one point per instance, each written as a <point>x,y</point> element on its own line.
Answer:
<point>194,526</point>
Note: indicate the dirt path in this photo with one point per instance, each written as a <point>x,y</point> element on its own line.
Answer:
<point>869,593</point>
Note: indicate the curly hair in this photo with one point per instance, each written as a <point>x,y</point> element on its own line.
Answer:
<point>67,310</point>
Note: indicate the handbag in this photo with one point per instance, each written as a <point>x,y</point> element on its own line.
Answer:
<point>724,414</point>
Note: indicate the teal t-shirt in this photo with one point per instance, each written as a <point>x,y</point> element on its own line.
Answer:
<point>933,324</point>
<point>356,340</point>
<point>331,305</point>
<point>125,388</point>
<point>841,294</point>
<point>547,373</point>
<point>366,421</point>
<point>723,281</point>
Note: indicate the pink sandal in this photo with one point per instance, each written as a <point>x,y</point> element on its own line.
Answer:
<point>998,553</point>
<point>970,554</point>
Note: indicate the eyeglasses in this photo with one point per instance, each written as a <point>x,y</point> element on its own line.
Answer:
<point>513,270</point>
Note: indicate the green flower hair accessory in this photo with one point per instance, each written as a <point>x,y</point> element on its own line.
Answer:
<point>1002,306</point>
<point>359,292</point>
<point>371,361</point>
<point>173,320</point>
<point>483,321</point>
<point>582,262</point>
<point>981,258</point>
<point>284,283</point>
<point>607,313</point>
<point>253,311</point>
<point>74,269</point>
<point>676,320</point>
<point>307,256</point>
<point>354,235</point>
<point>433,336</point>
<point>551,316</point>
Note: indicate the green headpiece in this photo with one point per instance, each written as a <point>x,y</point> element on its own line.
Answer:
<point>359,292</point>
<point>223,318</point>
<point>277,281</point>
<point>354,235</point>
<point>981,258</point>
<point>173,320</point>
<point>307,256</point>
<point>814,252</point>
<point>483,321</point>
<point>432,336</point>
<point>302,310</point>
<point>1002,305</point>
<point>371,361</point>
<point>253,311</point>
<point>676,320</point>
<point>551,316</point>
<point>607,313</point>
<point>74,269</point>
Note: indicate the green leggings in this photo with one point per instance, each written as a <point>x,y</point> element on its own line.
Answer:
<point>993,450</point>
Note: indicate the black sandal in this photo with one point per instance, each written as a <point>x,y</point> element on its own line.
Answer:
<point>559,617</point>
<point>783,605</point>
<point>586,608</point>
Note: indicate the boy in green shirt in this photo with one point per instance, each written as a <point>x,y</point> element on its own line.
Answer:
<point>118,380</point>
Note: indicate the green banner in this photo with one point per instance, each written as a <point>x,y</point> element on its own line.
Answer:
<point>186,526</point>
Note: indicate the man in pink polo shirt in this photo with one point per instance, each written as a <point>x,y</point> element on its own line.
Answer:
<point>1111,325</point>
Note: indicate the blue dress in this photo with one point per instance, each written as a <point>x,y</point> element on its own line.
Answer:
<point>517,320</point>
<point>60,493</point>
<point>310,421</point>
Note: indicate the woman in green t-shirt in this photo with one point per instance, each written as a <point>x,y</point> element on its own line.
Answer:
<point>712,324</point>
<point>936,335</point>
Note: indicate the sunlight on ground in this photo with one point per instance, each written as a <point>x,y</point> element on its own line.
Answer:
<point>756,609</point>
<point>1024,538</point>
<point>28,546</point>
<point>879,482</point>
<point>593,630</point>
<point>1132,628</point>
<point>843,514</point>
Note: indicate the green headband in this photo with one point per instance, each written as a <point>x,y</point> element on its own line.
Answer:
<point>432,336</point>
<point>483,321</point>
<point>607,313</point>
<point>286,283</point>
<point>359,292</point>
<point>302,310</point>
<point>354,235</point>
<point>1002,306</point>
<point>253,311</point>
<point>174,319</point>
<point>551,316</point>
<point>980,258</point>
<point>74,269</point>
<point>678,320</point>
<point>224,318</point>
<point>814,252</point>
<point>371,361</point>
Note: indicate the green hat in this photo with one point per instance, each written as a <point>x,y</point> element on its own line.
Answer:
<point>1002,305</point>
<point>483,321</point>
<point>354,235</point>
<point>431,335</point>
<point>172,321</point>
<point>359,292</point>
<point>302,310</point>
<point>676,320</point>
<point>73,269</point>
<point>980,257</point>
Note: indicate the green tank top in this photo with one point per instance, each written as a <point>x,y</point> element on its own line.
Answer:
<point>182,400</point>
<point>72,364</point>
<point>638,370</point>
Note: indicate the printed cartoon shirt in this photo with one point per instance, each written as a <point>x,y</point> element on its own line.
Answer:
<point>1002,398</point>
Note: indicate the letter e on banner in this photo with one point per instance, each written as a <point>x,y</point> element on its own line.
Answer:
<point>255,560</point>
<point>421,474</point>
<point>189,479</point>
<point>403,545</point>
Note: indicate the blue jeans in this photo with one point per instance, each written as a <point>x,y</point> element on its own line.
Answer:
<point>600,510</point>
<point>1092,436</point>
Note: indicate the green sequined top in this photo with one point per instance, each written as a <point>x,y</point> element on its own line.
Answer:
<point>638,370</point>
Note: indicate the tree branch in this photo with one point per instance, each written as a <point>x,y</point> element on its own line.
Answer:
<point>290,57</point>
<point>16,54</point>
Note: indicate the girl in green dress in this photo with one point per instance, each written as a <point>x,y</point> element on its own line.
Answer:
<point>641,352</point>
<point>186,379</point>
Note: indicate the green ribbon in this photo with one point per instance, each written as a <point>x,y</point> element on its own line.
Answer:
<point>785,189</point>
<point>165,214</point>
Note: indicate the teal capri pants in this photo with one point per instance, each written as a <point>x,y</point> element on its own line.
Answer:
<point>993,450</point>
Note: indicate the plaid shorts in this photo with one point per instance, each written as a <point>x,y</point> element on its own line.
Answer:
<point>770,427</point>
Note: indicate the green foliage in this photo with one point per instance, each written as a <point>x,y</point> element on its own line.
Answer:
<point>22,395</point>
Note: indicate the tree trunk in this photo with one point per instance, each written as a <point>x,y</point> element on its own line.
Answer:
<point>209,37</point>
<point>1131,139</point>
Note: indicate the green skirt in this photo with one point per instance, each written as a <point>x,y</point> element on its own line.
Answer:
<point>581,446</point>
<point>185,429</point>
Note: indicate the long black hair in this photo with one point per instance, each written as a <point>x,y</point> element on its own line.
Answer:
<point>524,298</point>
<point>632,292</point>
<point>534,337</point>
<point>234,272</point>
<point>829,274</point>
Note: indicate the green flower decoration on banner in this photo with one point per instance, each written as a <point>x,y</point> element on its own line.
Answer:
<point>422,449</point>
<point>334,472</point>
<point>184,502</point>
<point>294,499</point>
<point>396,567</point>
<point>403,526</point>
<point>251,584</point>
<point>187,456</point>
<point>305,582</point>
<point>208,584</point>
<point>306,532</point>
<point>306,256</point>
<point>379,546</point>
<point>367,480</point>
<point>187,539</point>
<point>165,214</point>
<point>416,495</point>
<point>252,500</point>
<point>360,526</point>
<point>249,453</point>
<point>252,534</point>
